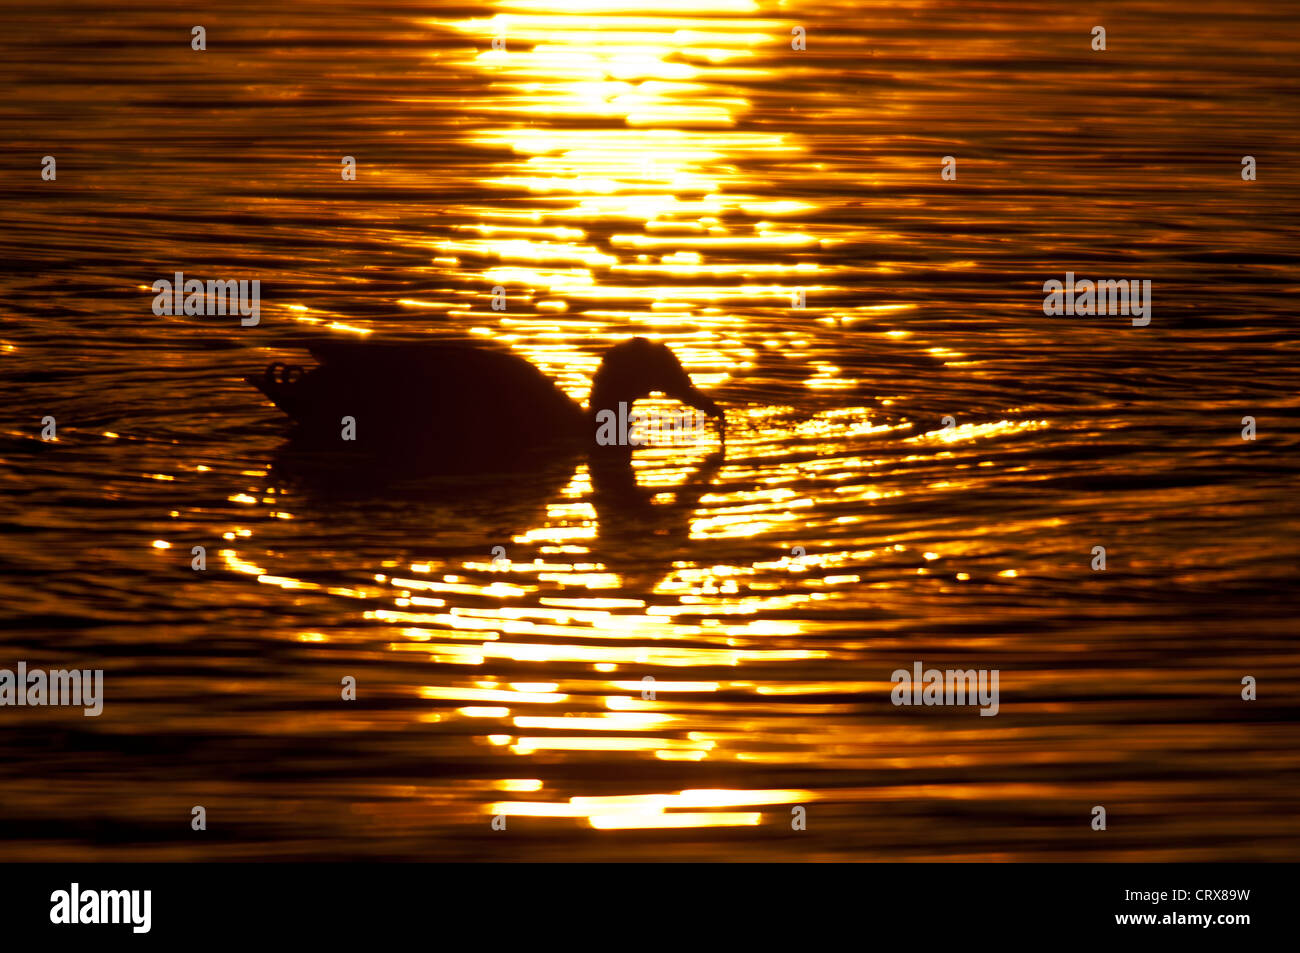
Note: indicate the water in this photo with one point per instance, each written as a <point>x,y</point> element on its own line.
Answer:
<point>676,174</point>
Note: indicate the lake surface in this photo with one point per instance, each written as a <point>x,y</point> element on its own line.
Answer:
<point>679,173</point>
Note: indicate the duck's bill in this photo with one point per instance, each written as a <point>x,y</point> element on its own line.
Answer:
<point>697,399</point>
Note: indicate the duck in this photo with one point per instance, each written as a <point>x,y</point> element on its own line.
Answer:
<point>461,408</point>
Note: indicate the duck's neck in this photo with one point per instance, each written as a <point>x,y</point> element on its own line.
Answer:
<point>605,397</point>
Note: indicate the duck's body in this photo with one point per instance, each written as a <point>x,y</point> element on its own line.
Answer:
<point>466,408</point>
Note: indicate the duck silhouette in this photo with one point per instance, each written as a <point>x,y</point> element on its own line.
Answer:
<point>458,409</point>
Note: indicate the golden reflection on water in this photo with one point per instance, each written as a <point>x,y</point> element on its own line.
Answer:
<point>629,214</point>
<point>627,178</point>
<point>629,224</point>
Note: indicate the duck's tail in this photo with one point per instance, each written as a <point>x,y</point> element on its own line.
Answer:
<point>278,382</point>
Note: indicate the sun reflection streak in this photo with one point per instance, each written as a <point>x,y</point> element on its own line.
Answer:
<point>652,213</point>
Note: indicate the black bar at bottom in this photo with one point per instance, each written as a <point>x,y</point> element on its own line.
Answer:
<point>646,903</point>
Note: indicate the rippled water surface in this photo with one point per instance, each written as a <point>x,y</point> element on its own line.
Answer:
<point>673,170</point>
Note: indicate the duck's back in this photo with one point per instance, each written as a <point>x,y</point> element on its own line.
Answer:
<point>470,406</point>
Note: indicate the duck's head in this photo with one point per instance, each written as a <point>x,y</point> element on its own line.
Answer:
<point>639,367</point>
